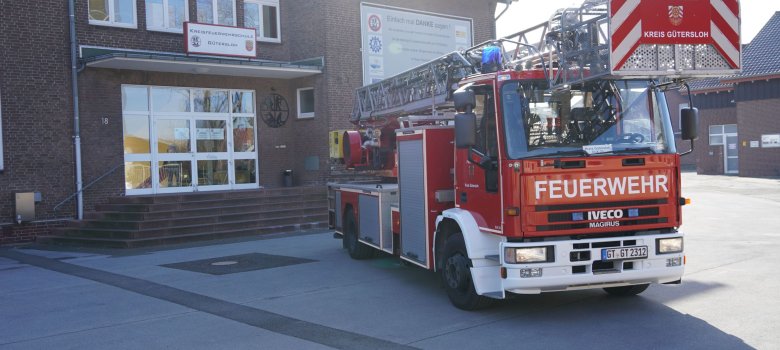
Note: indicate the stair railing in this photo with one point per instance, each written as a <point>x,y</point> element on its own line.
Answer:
<point>90,184</point>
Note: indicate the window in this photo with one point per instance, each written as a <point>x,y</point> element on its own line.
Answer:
<point>180,139</point>
<point>679,116</point>
<point>166,15</point>
<point>306,103</point>
<point>263,15</point>
<point>221,12</point>
<point>119,13</point>
<point>718,131</point>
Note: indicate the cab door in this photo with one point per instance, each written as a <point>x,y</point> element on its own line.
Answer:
<point>477,185</point>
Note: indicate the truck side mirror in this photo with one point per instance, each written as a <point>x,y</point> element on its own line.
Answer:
<point>465,130</point>
<point>464,99</point>
<point>689,123</point>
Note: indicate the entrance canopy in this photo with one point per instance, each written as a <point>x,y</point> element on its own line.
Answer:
<point>192,64</point>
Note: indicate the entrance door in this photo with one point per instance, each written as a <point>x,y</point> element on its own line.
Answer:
<point>726,136</point>
<point>731,150</point>
<point>188,139</point>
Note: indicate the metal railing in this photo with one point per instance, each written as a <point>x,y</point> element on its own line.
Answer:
<point>90,184</point>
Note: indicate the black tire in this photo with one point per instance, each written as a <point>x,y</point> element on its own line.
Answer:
<point>456,276</point>
<point>627,291</point>
<point>355,248</point>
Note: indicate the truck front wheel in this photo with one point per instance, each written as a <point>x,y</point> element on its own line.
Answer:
<point>356,250</point>
<point>626,291</point>
<point>456,276</point>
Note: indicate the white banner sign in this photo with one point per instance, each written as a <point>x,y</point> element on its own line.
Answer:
<point>211,39</point>
<point>396,39</point>
<point>770,141</point>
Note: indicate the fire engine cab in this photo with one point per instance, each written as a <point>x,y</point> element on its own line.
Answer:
<point>558,171</point>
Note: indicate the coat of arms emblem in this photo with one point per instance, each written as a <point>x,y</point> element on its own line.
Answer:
<point>250,44</point>
<point>675,15</point>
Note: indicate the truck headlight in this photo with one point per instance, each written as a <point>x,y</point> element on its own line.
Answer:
<point>528,255</point>
<point>669,245</point>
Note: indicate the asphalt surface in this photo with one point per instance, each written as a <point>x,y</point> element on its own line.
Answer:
<point>303,292</point>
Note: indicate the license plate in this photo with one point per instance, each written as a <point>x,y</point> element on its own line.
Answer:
<point>625,253</point>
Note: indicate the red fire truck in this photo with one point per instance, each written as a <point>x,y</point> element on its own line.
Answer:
<point>558,171</point>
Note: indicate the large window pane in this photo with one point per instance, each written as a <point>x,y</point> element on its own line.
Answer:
<point>136,134</point>
<point>123,11</point>
<point>175,173</point>
<point>225,12</point>
<point>243,102</point>
<point>177,13</point>
<point>205,11</point>
<point>155,13</point>
<point>245,171</point>
<point>98,10</point>
<point>170,100</point>
<point>252,17</point>
<point>269,22</point>
<point>212,172</point>
<point>210,136</point>
<point>215,101</point>
<point>135,98</point>
<point>173,136</point>
<point>244,134</point>
<point>730,128</point>
<point>138,175</point>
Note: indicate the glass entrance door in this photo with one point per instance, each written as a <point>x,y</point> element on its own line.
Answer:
<point>187,140</point>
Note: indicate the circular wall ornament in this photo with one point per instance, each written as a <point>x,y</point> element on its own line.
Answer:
<point>274,110</point>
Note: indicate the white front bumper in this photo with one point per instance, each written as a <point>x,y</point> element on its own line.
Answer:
<point>564,274</point>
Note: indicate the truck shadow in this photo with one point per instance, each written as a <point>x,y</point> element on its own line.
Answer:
<point>576,319</point>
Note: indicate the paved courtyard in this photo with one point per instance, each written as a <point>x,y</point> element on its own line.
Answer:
<point>302,291</point>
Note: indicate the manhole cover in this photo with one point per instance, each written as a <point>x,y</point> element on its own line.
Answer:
<point>224,263</point>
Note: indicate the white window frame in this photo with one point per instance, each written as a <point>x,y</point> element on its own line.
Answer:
<point>110,22</point>
<point>154,157</point>
<point>301,115</point>
<point>165,28</point>
<point>679,117</point>
<point>261,36</point>
<point>214,11</point>
<point>716,136</point>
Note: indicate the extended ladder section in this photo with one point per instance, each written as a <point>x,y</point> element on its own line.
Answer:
<point>611,39</point>
<point>420,89</point>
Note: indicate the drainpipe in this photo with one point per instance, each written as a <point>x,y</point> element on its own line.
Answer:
<point>75,88</point>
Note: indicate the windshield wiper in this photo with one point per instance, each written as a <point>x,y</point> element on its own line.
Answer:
<point>571,153</point>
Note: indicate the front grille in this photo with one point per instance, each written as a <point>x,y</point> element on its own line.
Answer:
<point>586,225</point>
<point>600,205</point>
<point>567,217</point>
<point>603,266</point>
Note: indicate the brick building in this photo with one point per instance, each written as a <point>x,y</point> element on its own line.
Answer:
<point>739,131</point>
<point>156,119</point>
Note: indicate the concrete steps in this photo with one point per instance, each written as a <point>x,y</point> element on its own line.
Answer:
<point>140,221</point>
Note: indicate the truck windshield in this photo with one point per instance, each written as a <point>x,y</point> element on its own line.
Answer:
<point>606,117</point>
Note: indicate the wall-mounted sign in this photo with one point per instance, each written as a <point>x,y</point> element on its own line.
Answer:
<point>396,39</point>
<point>770,141</point>
<point>209,39</point>
<point>753,144</point>
<point>209,134</point>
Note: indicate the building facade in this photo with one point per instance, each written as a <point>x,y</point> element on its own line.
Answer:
<point>739,130</point>
<point>156,116</point>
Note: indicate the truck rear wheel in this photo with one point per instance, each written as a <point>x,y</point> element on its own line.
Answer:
<point>356,250</point>
<point>627,291</point>
<point>456,276</point>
